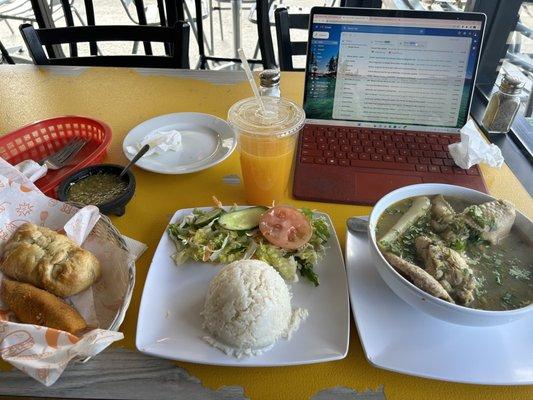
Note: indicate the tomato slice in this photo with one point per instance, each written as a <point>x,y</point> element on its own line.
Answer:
<point>285,227</point>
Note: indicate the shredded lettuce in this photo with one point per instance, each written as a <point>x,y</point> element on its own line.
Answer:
<point>213,243</point>
<point>279,258</point>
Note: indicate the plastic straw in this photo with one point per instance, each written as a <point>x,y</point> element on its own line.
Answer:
<point>250,77</point>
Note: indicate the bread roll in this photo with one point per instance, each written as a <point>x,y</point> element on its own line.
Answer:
<point>35,306</point>
<point>48,260</point>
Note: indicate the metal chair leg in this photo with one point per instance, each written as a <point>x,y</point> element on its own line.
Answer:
<point>211,25</point>
<point>220,21</point>
<point>9,26</point>
<point>135,48</point>
<point>82,22</point>
<point>193,28</point>
<point>256,52</point>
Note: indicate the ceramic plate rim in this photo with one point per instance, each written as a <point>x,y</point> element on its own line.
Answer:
<point>233,362</point>
<point>383,365</point>
<point>214,161</point>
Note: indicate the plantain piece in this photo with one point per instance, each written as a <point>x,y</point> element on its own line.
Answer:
<point>35,306</point>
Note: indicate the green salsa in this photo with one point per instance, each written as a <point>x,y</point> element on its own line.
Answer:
<point>96,189</point>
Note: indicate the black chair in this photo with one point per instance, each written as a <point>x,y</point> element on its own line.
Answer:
<point>285,22</point>
<point>264,34</point>
<point>177,38</point>
<point>361,3</point>
<point>204,58</point>
<point>4,55</point>
<point>175,10</point>
<point>44,19</point>
<point>287,49</point>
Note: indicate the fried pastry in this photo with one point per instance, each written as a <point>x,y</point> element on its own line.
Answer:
<point>48,260</point>
<point>35,306</point>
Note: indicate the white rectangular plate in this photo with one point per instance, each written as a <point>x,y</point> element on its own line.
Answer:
<point>399,338</point>
<point>170,325</point>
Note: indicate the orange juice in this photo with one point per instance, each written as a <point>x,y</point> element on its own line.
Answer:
<point>266,168</point>
<point>267,140</point>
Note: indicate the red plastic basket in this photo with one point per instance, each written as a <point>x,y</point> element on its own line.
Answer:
<point>42,138</point>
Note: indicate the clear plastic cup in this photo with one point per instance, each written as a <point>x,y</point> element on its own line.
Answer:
<point>266,141</point>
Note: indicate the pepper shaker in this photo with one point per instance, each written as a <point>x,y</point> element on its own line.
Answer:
<point>503,105</point>
<point>269,83</point>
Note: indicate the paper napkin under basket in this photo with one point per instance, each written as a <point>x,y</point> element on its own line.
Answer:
<point>43,353</point>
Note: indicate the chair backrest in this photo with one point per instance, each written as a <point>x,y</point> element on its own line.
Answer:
<point>287,49</point>
<point>4,55</point>
<point>44,19</point>
<point>361,3</point>
<point>285,22</point>
<point>264,34</point>
<point>174,11</point>
<point>179,9</point>
<point>177,37</point>
<point>141,17</point>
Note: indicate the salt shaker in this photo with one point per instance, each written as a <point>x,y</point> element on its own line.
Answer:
<point>503,105</point>
<point>269,83</point>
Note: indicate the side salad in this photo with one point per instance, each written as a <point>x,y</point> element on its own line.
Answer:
<point>291,240</point>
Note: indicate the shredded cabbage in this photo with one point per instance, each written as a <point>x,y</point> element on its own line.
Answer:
<point>216,244</point>
<point>279,258</point>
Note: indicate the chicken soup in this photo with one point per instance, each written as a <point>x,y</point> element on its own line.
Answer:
<point>468,254</point>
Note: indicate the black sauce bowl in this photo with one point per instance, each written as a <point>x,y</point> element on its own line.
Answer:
<point>117,206</point>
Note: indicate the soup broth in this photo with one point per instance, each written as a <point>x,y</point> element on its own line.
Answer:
<point>503,273</point>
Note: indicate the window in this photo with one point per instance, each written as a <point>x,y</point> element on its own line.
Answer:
<point>508,48</point>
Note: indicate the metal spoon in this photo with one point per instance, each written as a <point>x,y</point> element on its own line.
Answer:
<point>135,158</point>
<point>357,224</point>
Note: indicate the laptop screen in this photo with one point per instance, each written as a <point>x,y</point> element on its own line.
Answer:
<point>391,72</point>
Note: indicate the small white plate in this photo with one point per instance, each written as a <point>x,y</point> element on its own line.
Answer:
<point>400,338</point>
<point>206,139</point>
<point>170,325</point>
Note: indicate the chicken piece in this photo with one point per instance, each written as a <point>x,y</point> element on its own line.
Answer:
<point>493,220</point>
<point>442,214</point>
<point>418,276</point>
<point>456,233</point>
<point>448,224</point>
<point>449,268</point>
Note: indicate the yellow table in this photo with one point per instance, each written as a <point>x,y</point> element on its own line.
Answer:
<point>124,98</point>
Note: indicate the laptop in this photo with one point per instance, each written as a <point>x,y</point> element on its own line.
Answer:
<point>386,92</point>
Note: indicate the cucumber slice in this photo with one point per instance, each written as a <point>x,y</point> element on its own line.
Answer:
<point>242,220</point>
<point>209,216</point>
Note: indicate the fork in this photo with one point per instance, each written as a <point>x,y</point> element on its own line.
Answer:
<point>62,157</point>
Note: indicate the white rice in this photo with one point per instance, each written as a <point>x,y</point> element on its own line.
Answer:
<point>248,308</point>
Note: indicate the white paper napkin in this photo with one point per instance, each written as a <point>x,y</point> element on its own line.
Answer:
<point>473,149</point>
<point>32,170</point>
<point>43,353</point>
<point>159,141</point>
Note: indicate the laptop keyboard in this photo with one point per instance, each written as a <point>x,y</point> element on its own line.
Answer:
<point>374,148</point>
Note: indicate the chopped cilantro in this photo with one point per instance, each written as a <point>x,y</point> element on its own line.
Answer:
<point>506,298</point>
<point>497,277</point>
<point>476,214</point>
<point>519,273</point>
<point>510,301</point>
<point>458,244</point>
<point>393,210</point>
